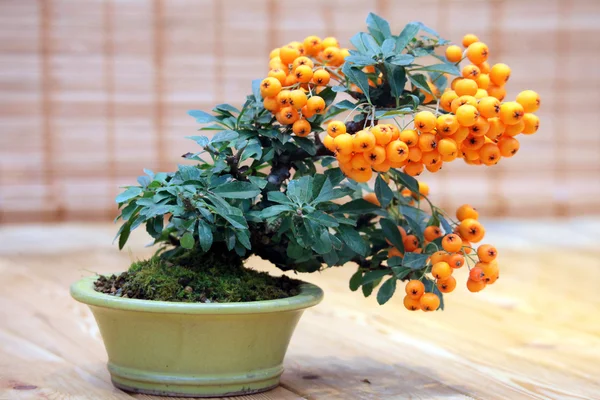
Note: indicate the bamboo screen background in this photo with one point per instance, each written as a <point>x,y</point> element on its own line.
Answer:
<point>93,91</point>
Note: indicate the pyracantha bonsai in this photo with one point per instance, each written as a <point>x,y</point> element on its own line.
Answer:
<point>279,178</point>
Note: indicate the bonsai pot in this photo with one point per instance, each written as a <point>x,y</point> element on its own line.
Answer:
<point>195,349</point>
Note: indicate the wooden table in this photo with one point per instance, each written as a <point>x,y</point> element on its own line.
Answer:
<point>535,334</point>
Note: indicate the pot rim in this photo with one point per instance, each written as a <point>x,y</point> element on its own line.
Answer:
<point>83,291</point>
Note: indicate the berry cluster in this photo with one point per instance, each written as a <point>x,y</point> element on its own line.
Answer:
<point>298,72</point>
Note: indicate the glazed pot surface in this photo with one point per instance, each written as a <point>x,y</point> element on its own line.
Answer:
<point>195,349</point>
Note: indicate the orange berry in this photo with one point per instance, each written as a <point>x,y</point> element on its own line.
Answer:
<point>425,121</point>
<point>467,115</point>
<point>372,198</point>
<point>274,53</point>
<point>446,285</point>
<point>364,141</point>
<point>411,304</point>
<point>414,154</point>
<point>441,270</point>
<point>271,104</point>
<point>344,144</point>
<point>427,142</point>
<point>414,168</point>
<point>514,130</point>
<point>471,72</point>
<point>483,81</point>
<point>275,63</point>
<point>298,99</point>
<point>461,101</point>
<point>531,122</point>
<point>396,151</point>
<point>411,243</point>
<point>376,155</point>
<point>530,100</point>
<point>328,143</point>
<point>431,158</point>
<point>497,91</point>
<point>301,128</point>
<point>270,87</point>
<point>336,128</point>
<point>499,74</point>
<point>489,154</point>
<point>446,124</point>
<point>484,67</point>
<point>289,115</point>
<point>475,286</point>
<point>511,112</point>
<point>332,55</point>
<point>303,73</point>
<point>455,260</point>
<point>477,52</point>
<point>487,253</point>
<point>469,39</point>
<point>358,162</point>
<point>432,232</point>
<point>466,212</point>
<point>321,77</point>
<point>452,243</point>
<point>496,129</point>
<point>288,54</point>
<point>429,302</point>
<point>330,41</point>
<point>316,104</point>
<point>508,146</point>
<point>466,87</point>
<point>410,137</point>
<point>490,270</point>
<point>453,53</point>
<point>437,257</point>
<point>382,167</point>
<point>302,60</point>
<point>278,74</point>
<point>476,273</point>
<point>489,107</point>
<point>480,127</point>
<point>460,135</point>
<point>473,143</point>
<point>312,45</point>
<point>471,230</point>
<point>414,289</point>
<point>382,133</point>
<point>447,99</point>
<point>306,113</point>
<point>423,189</point>
<point>284,98</point>
<point>467,247</point>
<point>361,176</point>
<point>395,131</point>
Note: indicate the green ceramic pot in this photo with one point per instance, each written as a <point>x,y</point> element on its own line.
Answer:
<point>195,349</point>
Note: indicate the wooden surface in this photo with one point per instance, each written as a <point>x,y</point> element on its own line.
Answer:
<point>92,92</point>
<point>535,334</point>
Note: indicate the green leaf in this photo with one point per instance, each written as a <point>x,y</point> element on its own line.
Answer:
<point>357,77</point>
<point>360,61</point>
<point>401,59</point>
<point>394,261</point>
<point>358,206</point>
<point>397,79</point>
<point>256,89</point>
<point>420,81</point>
<point>279,197</point>
<point>274,210</point>
<point>356,280</point>
<point>306,145</point>
<point>187,241</point>
<point>224,136</point>
<point>443,67</point>
<point>379,27</point>
<point>388,47</point>
<point>367,289</point>
<point>353,239</point>
<point>237,190</point>
<point>228,108</point>
<point>323,244</point>
<point>322,218</point>
<point>401,272</point>
<point>408,33</point>
<point>128,194</point>
<point>383,192</point>
<point>243,237</point>
<point>205,236</point>
<point>325,194</point>
<point>202,117</point>
<point>447,227</point>
<point>391,233</point>
<point>411,183</point>
<point>260,182</point>
<point>365,44</point>
<point>373,276</point>
<point>414,260</point>
<point>386,291</point>
<point>236,221</point>
<point>300,190</point>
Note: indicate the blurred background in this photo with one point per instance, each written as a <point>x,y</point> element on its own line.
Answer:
<point>92,92</point>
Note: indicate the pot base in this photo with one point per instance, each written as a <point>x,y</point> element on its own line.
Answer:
<point>136,381</point>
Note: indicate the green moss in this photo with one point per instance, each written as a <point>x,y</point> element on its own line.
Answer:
<point>197,277</point>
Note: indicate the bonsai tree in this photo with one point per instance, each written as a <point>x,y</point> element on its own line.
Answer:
<point>282,179</point>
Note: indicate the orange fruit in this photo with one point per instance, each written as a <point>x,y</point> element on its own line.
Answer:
<point>452,243</point>
<point>530,100</point>
<point>411,304</point>
<point>301,128</point>
<point>270,87</point>
<point>414,289</point>
<point>499,74</point>
<point>441,270</point>
<point>446,285</point>
<point>453,53</point>
<point>477,52</point>
<point>429,302</point>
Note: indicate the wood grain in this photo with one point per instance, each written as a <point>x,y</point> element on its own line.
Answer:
<point>533,335</point>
